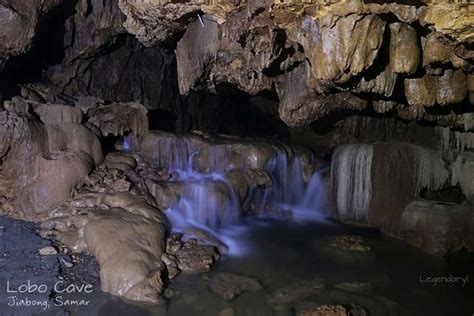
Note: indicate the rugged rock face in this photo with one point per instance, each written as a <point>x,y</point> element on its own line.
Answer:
<point>318,55</point>
<point>46,152</point>
<point>20,23</point>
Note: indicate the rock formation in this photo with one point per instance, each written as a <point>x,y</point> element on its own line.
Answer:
<point>390,50</point>
<point>383,192</point>
<point>384,89</point>
<point>46,152</point>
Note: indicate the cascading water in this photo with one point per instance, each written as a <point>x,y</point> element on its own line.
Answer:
<point>209,206</point>
<point>306,200</point>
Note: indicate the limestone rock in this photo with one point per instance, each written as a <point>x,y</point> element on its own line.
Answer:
<point>419,91</point>
<point>42,163</point>
<point>317,56</point>
<point>343,47</point>
<point>20,22</point>
<point>404,49</point>
<point>153,21</point>
<point>195,52</point>
<point>455,19</point>
<point>451,87</point>
<point>439,228</point>
<point>300,104</point>
<point>381,106</point>
<point>436,50</point>
<point>120,118</point>
<point>124,233</point>
<point>194,258</point>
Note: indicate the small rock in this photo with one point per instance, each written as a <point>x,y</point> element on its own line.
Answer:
<point>350,243</point>
<point>174,244</point>
<point>47,251</point>
<point>336,310</point>
<point>229,285</point>
<point>194,258</point>
<point>66,263</point>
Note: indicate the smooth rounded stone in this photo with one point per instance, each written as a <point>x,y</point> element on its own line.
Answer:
<point>48,251</point>
<point>336,310</point>
<point>437,227</point>
<point>229,285</point>
<point>194,258</point>
<point>126,235</point>
<point>283,297</point>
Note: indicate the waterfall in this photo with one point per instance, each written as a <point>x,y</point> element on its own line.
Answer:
<point>209,205</point>
<point>305,200</point>
<point>351,180</point>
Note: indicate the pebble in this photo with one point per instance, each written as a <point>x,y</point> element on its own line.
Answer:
<point>48,251</point>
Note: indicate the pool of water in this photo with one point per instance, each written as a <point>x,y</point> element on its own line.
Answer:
<point>290,257</point>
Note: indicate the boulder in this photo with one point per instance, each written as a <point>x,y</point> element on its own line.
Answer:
<point>439,228</point>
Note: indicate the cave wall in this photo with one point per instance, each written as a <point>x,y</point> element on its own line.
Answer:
<point>409,60</point>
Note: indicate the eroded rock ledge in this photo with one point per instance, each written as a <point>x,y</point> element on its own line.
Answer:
<point>320,56</point>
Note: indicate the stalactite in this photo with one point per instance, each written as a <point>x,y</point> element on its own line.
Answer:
<point>431,171</point>
<point>351,181</point>
<point>454,140</point>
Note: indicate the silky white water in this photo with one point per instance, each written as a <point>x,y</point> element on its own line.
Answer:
<point>210,204</point>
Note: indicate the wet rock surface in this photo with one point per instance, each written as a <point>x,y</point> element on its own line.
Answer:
<point>228,285</point>
<point>194,258</point>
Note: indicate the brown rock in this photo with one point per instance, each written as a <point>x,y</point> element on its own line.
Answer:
<point>42,163</point>
<point>451,87</point>
<point>194,258</point>
<point>404,49</point>
<point>439,228</point>
<point>420,91</point>
<point>124,233</point>
<point>300,104</point>
<point>343,47</point>
<point>119,118</point>
<point>455,19</point>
